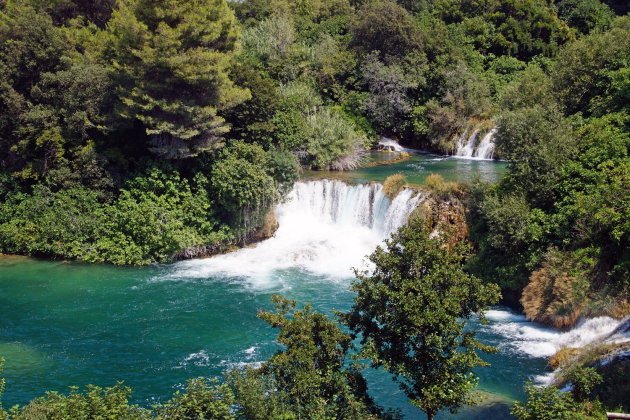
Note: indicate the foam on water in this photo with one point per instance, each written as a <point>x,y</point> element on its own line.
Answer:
<point>326,228</point>
<point>200,358</point>
<point>392,145</point>
<point>535,340</point>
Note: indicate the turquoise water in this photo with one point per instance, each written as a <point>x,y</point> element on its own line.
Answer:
<point>155,327</point>
<point>420,165</point>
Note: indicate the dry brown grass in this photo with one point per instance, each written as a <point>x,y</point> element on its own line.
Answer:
<point>393,185</point>
<point>441,188</point>
<point>562,357</point>
<point>549,298</point>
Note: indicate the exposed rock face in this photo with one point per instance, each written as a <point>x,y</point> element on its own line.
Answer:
<point>444,214</point>
<point>268,228</point>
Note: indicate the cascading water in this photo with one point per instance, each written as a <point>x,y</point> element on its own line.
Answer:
<point>390,145</point>
<point>326,228</point>
<point>466,145</point>
<point>485,150</point>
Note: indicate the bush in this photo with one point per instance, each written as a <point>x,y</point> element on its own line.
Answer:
<point>441,188</point>
<point>584,381</point>
<point>393,184</point>
<point>333,142</point>
<point>202,400</point>
<point>548,403</point>
<point>94,403</point>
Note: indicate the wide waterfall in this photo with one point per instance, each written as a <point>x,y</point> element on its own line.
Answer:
<point>326,227</point>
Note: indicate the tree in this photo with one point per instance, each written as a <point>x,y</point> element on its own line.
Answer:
<point>3,414</point>
<point>386,27</point>
<point>410,312</point>
<point>389,102</point>
<point>173,59</point>
<point>310,373</point>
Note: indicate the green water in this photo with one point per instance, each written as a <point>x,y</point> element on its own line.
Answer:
<point>155,327</point>
<point>419,166</point>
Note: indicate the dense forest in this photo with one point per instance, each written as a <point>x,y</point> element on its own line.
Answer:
<point>139,131</point>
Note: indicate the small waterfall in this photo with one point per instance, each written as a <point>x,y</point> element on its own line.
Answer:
<point>390,145</point>
<point>466,145</point>
<point>485,150</point>
<point>326,228</point>
<point>529,339</point>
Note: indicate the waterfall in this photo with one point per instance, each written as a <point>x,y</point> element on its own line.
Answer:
<point>390,145</point>
<point>466,145</point>
<point>530,339</point>
<point>485,150</point>
<point>326,228</point>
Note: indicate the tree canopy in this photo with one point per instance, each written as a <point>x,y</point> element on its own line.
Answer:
<point>409,314</point>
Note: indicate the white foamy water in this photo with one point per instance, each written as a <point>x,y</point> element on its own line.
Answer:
<point>535,340</point>
<point>466,148</point>
<point>485,150</point>
<point>326,228</point>
<point>466,145</point>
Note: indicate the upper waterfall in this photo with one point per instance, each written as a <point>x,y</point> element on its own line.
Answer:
<point>327,227</point>
<point>468,148</point>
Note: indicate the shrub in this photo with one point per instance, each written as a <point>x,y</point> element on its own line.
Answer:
<point>584,381</point>
<point>548,403</point>
<point>441,188</point>
<point>393,184</point>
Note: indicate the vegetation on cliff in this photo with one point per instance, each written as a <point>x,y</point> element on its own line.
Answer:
<point>556,226</point>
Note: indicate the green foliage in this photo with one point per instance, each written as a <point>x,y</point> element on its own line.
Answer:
<point>535,141</point>
<point>173,61</point>
<point>95,402</point>
<point>385,27</point>
<point>201,400</point>
<point>584,68</point>
<point>585,15</point>
<point>409,314</point>
<point>333,142</point>
<point>310,373</point>
<point>521,28</point>
<point>158,215</point>
<point>250,120</point>
<point>3,414</point>
<point>584,381</point>
<point>52,98</point>
<point>389,103</point>
<point>564,133</point>
<point>548,403</point>
<point>465,96</point>
<point>240,181</point>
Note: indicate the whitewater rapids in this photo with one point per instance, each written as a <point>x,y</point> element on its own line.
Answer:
<point>326,228</point>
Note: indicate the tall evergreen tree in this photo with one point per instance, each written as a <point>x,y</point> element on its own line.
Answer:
<point>173,59</point>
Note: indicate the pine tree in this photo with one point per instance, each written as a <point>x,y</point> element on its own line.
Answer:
<point>173,58</point>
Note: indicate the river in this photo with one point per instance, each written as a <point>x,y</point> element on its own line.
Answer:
<point>154,327</point>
